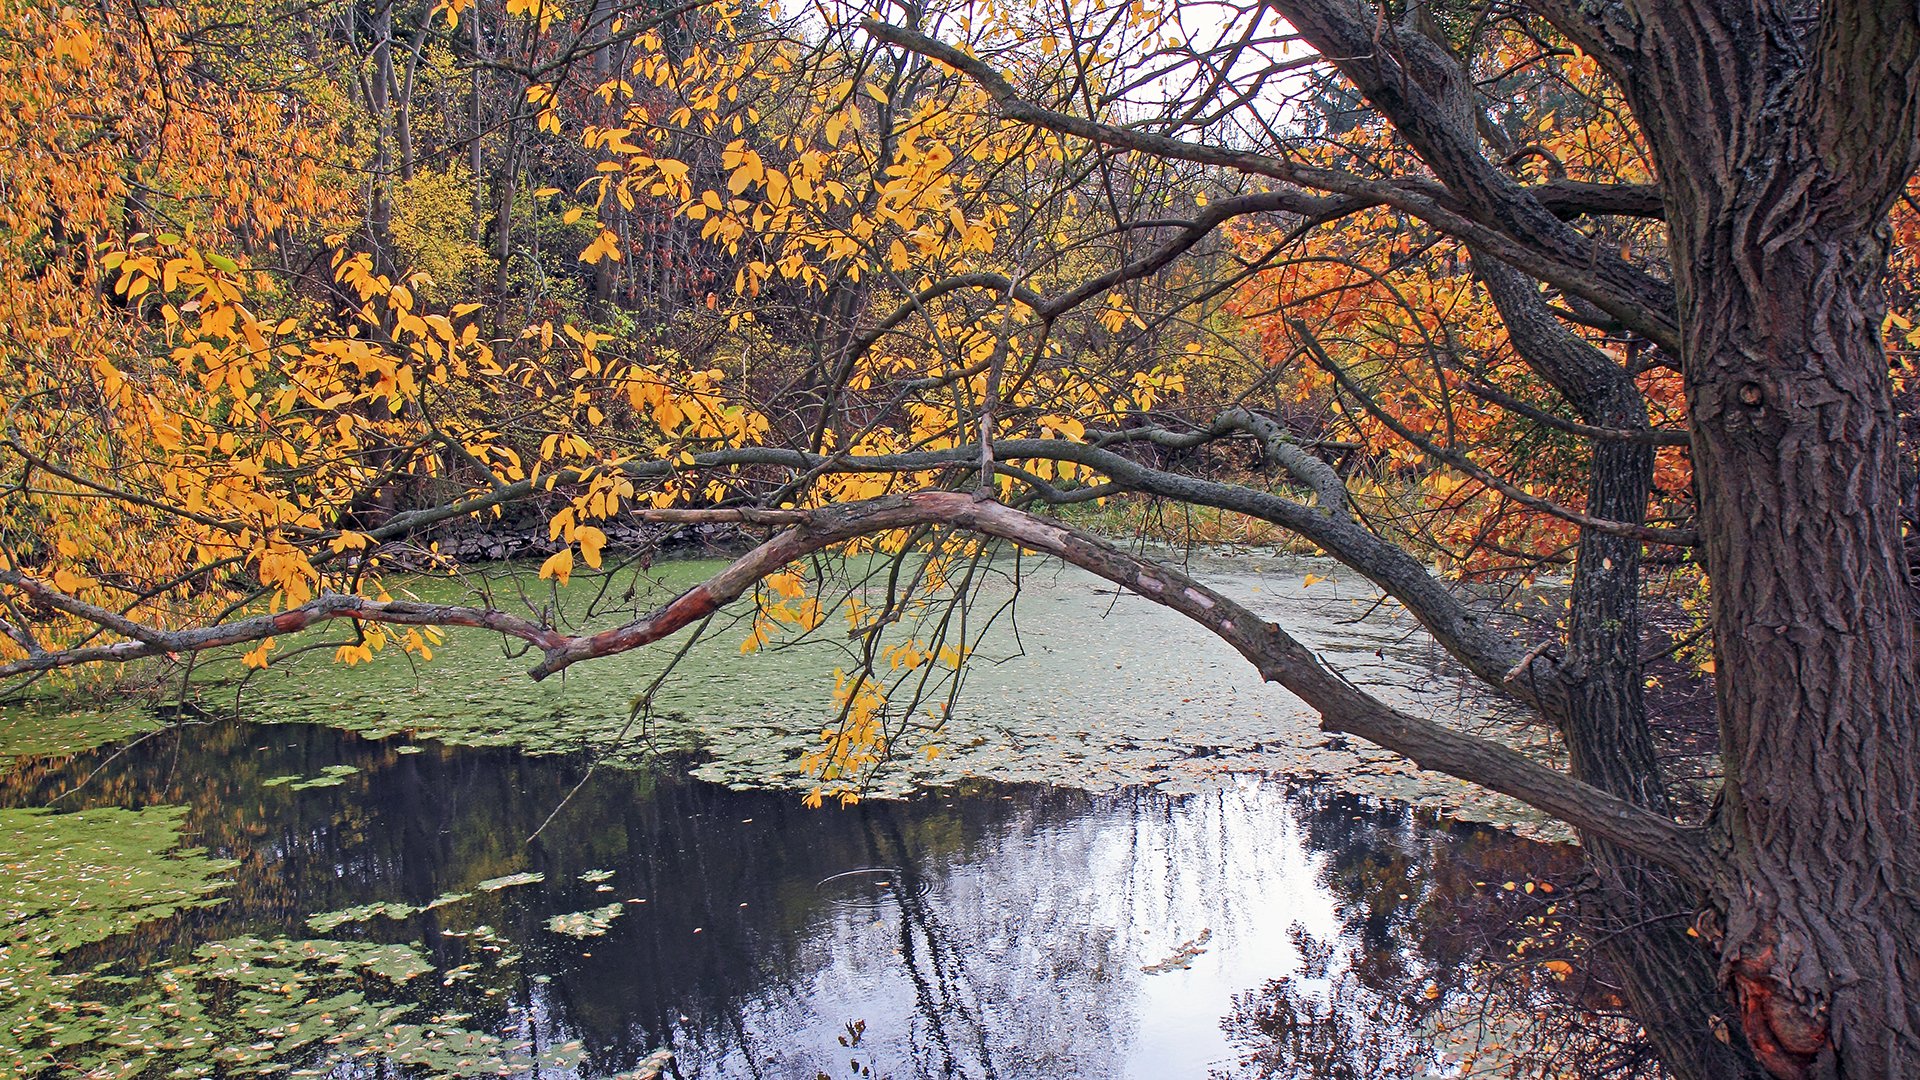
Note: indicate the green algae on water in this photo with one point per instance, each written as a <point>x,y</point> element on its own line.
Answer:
<point>46,729</point>
<point>586,924</point>
<point>1096,690</point>
<point>242,1006</point>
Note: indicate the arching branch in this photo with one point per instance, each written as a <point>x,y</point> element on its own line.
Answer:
<point>1639,301</point>
<point>1277,655</point>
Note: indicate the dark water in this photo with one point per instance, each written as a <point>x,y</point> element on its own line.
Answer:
<point>988,932</point>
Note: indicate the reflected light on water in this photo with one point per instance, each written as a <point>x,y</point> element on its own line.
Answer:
<point>990,931</point>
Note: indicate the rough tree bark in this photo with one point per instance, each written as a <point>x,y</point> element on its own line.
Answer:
<point>1640,911</point>
<point>1795,457</point>
<point>1783,131</point>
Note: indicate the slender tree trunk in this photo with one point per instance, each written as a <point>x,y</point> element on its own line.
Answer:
<point>1640,914</point>
<point>380,103</point>
<point>403,117</point>
<point>505,176</point>
<point>476,154</point>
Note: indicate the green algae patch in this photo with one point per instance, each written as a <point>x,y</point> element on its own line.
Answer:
<point>68,880</point>
<point>1074,684</point>
<point>510,881</point>
<point>331,776</point>
<point>586,924</point>
<point>44,729</point>
<point>328,921</point>
<point>238,1007</point>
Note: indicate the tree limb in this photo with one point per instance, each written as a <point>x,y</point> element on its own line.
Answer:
<point>1274,653</point>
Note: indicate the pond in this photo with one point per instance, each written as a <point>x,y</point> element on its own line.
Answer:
<point>995,931</point>
<point>447,870</point>
<point>1073,684</point>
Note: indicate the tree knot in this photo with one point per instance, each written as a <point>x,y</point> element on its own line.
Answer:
<point>1787,1034</point>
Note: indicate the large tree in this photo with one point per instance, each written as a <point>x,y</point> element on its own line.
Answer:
<point>1781,134</point>
<point>983,265</point>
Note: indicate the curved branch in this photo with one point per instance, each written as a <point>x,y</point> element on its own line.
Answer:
<point>1464,633</point>
<point>1279,657</point>
<point>1638,300</point>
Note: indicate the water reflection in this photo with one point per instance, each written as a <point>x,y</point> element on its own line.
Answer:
<point>987,932</point>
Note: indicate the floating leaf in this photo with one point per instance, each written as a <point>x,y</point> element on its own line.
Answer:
<point>585,924</point>
<point>509,881</point>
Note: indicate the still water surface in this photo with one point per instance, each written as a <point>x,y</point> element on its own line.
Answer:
<point>984,931</point>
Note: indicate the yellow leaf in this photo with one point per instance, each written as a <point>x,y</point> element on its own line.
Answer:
<point>591,540</point>
<point>257,658</point>
<point>558,566</point>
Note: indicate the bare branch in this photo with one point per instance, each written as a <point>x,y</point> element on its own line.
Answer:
<point>1644,533</point>
<point>1636,299</point>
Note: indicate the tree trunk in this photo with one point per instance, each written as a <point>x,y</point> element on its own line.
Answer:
<point>476,155</point>
<point>1641,912</point>
<point>1782,133</point>
<point>1794,450</point>
<point>1777,186</point>
<point>380,103</point>
<point>403,117</point>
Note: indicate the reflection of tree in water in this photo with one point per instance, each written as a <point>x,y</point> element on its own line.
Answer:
<point>1343,1033</point>
<point>935,963</point>
<point>1444,957</point>
<point>727,878</point>
<point>1022,940</point>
